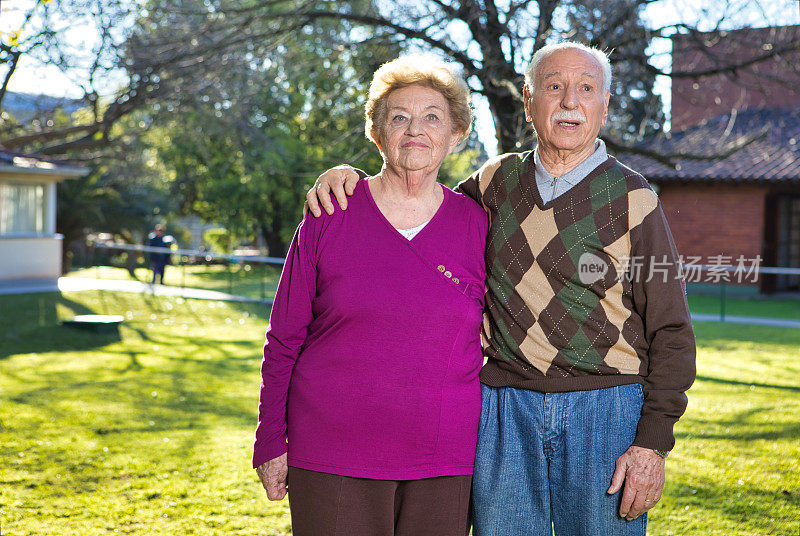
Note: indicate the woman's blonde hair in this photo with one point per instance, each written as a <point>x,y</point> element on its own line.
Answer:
<point>424,70</point>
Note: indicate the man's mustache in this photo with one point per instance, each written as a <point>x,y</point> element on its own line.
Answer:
<point>569,115</point>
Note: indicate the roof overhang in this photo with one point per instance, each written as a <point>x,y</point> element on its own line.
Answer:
<point>733,181</point>
<point>29,168</point>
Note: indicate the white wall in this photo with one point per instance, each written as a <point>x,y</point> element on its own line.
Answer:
<point>30,258</point>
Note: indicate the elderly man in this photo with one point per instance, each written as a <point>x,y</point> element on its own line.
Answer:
<point>586,332</point>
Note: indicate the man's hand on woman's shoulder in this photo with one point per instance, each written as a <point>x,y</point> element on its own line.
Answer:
<point>340,180</point>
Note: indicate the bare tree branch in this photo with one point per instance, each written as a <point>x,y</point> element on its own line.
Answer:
<point>184,44</point>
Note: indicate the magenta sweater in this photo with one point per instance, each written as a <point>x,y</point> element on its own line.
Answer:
<point>372,354</point>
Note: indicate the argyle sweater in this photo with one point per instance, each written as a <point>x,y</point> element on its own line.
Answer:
<point>584,292</point>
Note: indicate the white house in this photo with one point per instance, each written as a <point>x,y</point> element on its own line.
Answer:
<point>30,248</point>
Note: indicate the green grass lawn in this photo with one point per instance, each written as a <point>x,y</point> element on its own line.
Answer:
<point>754,306</point>
<point>150,432</point>
<point>146,433</point>
<point>736,466</point>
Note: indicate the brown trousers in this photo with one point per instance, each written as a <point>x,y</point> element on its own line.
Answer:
<point>324,504</point>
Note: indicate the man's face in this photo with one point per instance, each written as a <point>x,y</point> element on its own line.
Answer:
<point>567,104</point>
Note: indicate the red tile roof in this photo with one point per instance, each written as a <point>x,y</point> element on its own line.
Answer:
<point>755,145</point>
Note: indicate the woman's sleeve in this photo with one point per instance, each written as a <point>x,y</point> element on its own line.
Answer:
<point>289,320</point>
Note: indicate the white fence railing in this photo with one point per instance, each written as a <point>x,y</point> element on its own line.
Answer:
<point>722,275</point>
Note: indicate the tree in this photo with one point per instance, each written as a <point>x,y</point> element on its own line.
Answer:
<point>178,40</point>
<point>49,35</point>
<point>178,43</point>
<point>635,110</point>
<point>123,200</point>
<point>245,148</point>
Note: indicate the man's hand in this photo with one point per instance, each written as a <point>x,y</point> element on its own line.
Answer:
<point>340,180</point>
<point>642,471</point>
<point>273,477</point>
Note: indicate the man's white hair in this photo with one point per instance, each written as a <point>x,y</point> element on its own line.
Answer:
<point>545,51</point>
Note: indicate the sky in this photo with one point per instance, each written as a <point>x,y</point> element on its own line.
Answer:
<point>32,77</point>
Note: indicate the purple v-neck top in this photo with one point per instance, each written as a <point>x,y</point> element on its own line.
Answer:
<point>373,350</point>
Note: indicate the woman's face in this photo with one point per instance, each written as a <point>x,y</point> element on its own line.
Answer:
<point>418,131</point>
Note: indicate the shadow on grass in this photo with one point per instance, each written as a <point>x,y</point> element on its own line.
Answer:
<point>129,394</point>
<point>720,336</point>
<point>741,505</point>
<point>138,401</point>
<point>792,388</point>
<point>134,364</point>
<point>746,425</point>
<point>30,324</point>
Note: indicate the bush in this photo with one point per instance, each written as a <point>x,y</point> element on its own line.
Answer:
<point>219,240</point>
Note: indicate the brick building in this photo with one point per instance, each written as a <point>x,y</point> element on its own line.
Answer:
<point>742,196</point>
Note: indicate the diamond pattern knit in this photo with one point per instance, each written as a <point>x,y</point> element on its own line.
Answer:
<point>549,329</point>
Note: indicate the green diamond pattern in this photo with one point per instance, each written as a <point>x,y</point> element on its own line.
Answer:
<point>607,187</point>
<point>509,202</point>
<point>581,354</point>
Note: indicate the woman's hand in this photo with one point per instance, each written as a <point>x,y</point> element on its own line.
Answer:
<point>340,180</point>
<point>273,477</point>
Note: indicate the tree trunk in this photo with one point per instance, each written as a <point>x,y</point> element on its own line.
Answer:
<point>276,246</point>
<point>502,86</point>
<point>514,134</point>
<point>272,234</point>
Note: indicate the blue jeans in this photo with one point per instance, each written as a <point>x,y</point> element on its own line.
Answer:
<point>545,461</point>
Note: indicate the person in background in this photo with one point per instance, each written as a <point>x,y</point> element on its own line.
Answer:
<point>370,400</point>
<point>158,261</point>
<point>587,333</point>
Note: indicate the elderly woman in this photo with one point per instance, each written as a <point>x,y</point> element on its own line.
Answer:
<point>369,388</point>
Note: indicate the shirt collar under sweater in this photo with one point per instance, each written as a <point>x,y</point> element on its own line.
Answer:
<point>551,187</point>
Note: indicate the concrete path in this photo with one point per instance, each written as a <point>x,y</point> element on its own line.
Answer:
<point>71,284</point>
<point>754,320</point>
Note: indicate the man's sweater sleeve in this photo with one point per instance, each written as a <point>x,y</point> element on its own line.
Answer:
<point>289,320</point>
<point>469,187</point>
<point>659,298</point>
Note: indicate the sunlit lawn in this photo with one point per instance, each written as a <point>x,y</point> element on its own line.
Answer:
<point>736,466</point>
<point>253,280</point>
<point>260,281</point>
<point>150,432</point>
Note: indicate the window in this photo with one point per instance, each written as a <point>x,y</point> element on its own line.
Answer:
<point>789,241</point>
<point>22,209</point>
